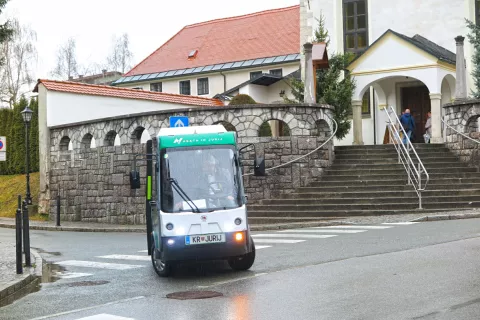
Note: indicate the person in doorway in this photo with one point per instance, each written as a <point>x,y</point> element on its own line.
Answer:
<point>428,128</point>
<point>408,124</point>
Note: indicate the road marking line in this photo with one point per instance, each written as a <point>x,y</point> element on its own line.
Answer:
<point>126,257</point>
<point>261,247</point>
<point>322,231</point>
<point>354,227</point>
<point>230,281</point>
<point>100,265</point>
<point>105,316</point>
<point>295,235</point>
<point>144,251</point>
<point>71,275</point>
<point>277,241</point>
<point>401,223</point>
<point>88,308</point>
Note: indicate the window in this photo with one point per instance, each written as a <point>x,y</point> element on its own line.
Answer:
<point>256,74</point>
<point>276,72</point>
<point>202,86</point>
<point>185,87</point>
<point>138,88</point>
<point>477,12</point>
<point>366,102</point>
<point>156,87</point>
<point>355,25</point>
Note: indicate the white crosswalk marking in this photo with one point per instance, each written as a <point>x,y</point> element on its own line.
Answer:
<point>126,257</point>
<point>105,316</point>
<point>400,223</point>
<point>354,227</point>
<point>277,241</point>
<point>71,275</point>
<point>293,235</point>
<point>322,231</point>
<point>262,247</point>
<point>100,265</point>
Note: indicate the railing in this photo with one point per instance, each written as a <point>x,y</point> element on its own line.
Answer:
<point>305,155</point>
<point>417,174</point>
<point>458,132</point>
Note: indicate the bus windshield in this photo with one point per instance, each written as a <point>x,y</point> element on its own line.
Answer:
<point>207,177</point>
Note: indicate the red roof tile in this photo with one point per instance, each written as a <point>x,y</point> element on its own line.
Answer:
<point>109,91</point>
<point>258,35</point>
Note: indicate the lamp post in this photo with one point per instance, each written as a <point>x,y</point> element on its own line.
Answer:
<point>27,117</point>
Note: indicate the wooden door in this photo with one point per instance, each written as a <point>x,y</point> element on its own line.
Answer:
<point>417,99</point>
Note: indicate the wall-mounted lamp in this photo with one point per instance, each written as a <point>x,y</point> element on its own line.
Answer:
<point>282,93</point>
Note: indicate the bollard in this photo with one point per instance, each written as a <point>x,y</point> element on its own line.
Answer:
<point>18,233</point>
<point>58,211</point>
<point>26,235</point>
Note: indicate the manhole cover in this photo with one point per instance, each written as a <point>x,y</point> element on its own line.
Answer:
<point>186,295</point>
<point>87,283</point>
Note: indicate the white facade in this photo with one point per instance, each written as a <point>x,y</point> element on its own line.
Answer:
<point>439,21</point>
<point>219,82</point>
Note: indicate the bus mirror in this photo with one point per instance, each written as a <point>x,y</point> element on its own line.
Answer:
<point>259,166</point>
<point>135,180</point>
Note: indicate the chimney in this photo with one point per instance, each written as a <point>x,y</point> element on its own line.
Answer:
<point>80,76</point>
<point>70,78</point>
<point>104,71</point>
<point>309,80</point>
<point>461,72</point>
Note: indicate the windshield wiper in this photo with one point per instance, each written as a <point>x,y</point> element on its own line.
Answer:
<point>182,194</point>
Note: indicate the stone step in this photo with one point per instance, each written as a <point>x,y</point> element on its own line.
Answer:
<point>428,146</point>
<point>271,220</point>
<point>336,193</point>
<point>425,160</point>
<point>397,177</point>
<point>385,165</point>
<point>396,199</point>
<point>366,206</point>
<point>394,156</point>
<point>390,151</point>
<point>399,170</point>
<point>385,188</point>
<point>344,213</point>
<point>385,183</point>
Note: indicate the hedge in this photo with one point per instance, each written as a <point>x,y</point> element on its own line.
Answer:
<point>12,127</point>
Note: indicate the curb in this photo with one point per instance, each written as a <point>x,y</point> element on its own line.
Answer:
<point>441,217</point>
<point>76,229</point>
<point>19,288</point>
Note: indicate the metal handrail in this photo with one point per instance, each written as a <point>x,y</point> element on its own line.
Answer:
<point>414,173</point>
<point>305,155</point>
<point>458,132</point>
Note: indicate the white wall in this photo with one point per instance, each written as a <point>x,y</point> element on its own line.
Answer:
<point>63,108</point>
<point>216,80</point>
<point>258,93</point>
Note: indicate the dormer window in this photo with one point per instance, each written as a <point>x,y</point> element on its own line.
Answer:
<point>192,54</point>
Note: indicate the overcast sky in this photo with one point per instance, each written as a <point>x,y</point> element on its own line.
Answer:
<point>92,23</point>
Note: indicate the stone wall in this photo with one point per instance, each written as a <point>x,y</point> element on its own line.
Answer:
<point>93,183</point>
<point>463,117</point>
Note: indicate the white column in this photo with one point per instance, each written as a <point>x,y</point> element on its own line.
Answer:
<point>435,100</point>
<point>461,71</point>
<point>357,122</point>
<point>309,82</point>
<point>44,151</point>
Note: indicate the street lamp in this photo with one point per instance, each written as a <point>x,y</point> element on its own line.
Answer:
<point>27,117</point>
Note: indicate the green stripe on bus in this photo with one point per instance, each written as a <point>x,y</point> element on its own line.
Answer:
<point>149,188</point>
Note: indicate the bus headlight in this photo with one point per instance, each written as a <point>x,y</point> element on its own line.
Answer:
<point>171,242</point>
<point>169,226</point>
<point>238,221</point>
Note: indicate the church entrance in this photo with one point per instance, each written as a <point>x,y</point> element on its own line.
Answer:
<point>417,99</point>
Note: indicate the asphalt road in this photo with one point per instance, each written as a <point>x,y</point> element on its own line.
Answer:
<point>419,271</point>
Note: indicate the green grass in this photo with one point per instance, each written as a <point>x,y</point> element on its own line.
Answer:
<point>11,187</point>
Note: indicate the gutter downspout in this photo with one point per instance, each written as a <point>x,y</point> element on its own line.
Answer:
<point>224,82</point>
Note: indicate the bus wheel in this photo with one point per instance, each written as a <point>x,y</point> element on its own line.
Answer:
<point>161,268</point>
<point>244,262</point>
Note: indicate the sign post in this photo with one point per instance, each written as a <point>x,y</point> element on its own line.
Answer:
<point>178,122</point>
<point>3,148</point>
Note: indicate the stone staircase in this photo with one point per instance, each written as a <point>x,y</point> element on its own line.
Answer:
<point>367,180</point>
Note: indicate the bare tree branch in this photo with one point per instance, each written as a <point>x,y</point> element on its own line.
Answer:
<point>20,57</point>
<point>66,65</point>
<point>120,57</point>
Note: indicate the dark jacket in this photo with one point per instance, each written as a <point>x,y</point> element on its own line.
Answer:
<point>407,122</point>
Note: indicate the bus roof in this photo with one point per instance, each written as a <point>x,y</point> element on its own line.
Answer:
<point>195,136</point>
<point>191,130</point>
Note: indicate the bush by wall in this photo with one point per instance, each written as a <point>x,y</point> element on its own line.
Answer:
<point>11,126</point>
<point>242,99</point>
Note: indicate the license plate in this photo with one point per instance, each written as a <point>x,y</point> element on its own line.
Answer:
<point>204,239</point>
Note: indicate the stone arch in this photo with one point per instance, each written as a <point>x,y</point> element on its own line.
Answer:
<point>448,86</point>
<point>88,141</point>
<point>227,125</point>
<point>140,135</point>
<point>471,125</point>
<point>322,129</point>
<point>376,84</point>
<point>65,143</point>
<point>110,139</point>
<point>274,128</point>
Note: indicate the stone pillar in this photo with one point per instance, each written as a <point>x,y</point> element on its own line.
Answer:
<point>44,151</point>
<point>357,122</point>
<point>461,71</point>
<point>435,100</point>
<point>309,81</point>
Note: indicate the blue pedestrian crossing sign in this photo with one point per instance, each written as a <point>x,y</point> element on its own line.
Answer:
<point>178,122</point>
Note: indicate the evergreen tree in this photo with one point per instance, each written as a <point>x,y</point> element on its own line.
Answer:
<point>474,38</point>
<point>33,137</point>
<point>335,87</point>
<point>6,30</point>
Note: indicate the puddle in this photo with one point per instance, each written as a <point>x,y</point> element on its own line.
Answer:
<point>51,272</point>
<point>55,253</point>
